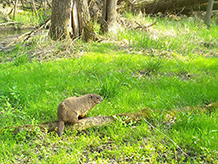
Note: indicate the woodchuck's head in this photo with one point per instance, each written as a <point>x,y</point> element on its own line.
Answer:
<point>95,98</point>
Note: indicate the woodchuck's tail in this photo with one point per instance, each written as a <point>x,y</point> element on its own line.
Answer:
<point>60,128</point>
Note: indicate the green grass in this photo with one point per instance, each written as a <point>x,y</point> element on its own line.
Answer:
<point>174,71</point>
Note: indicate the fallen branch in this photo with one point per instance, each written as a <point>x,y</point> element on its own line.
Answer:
<point>172,113</point>
<point>198,108</point>
<point>7,23</point>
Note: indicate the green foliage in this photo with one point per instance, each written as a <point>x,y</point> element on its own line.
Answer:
<point>174,65</point>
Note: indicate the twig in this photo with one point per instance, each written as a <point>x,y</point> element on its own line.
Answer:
<point>167,137</point>
<point>48,4</point>
<point>180,11</point>
<point>34,7</point>
<point>144,27</point>
<point>37,29</point>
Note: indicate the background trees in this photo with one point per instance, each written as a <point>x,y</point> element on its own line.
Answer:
<point>108,23</point>
<point>71,19</point>
<point>209,12</point>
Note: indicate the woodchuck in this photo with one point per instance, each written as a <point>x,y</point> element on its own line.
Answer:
<point>73,107</point>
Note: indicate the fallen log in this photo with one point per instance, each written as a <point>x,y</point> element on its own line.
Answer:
<point>170,6</point>
<point>82,124</point>
<point>98,121</point>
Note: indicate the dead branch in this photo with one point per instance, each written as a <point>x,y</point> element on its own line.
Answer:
<point>7,23</point>
<point>171,114</point>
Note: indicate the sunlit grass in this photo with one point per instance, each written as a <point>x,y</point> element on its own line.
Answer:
<point>168,68</point>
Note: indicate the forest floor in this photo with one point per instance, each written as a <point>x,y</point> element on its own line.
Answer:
<point>171,65</point>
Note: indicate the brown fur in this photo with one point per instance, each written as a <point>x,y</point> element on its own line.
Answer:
<point>73,107</point>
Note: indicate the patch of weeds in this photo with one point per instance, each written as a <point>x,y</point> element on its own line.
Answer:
<point>22,59</point>
<point>11,106</point>
<point>109,87</point>
<point>196,132</point>
<point>150,66</point>
<point>13,97</point>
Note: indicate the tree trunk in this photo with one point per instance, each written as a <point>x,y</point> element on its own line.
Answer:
<point>109,14</point>
<point>60,20</point>
<point>86,26</point>
<point>71,18</point>
<point>209,12</point>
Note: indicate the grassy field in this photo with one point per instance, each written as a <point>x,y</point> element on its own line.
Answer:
<point>173,65</point>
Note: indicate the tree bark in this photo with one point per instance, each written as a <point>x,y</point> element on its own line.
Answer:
<point>209,12</point>
<point>86,26</point>
<point>75,19</point>
<point>60,20</point>
<point>71,18</point>
<point>109,15</point>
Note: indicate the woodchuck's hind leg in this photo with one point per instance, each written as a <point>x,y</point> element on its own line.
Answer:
<point>73,120</point>
<point>60,128</point>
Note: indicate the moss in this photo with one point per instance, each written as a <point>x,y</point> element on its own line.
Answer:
<point>89,34</point>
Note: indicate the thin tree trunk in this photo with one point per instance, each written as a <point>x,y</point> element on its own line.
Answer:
<point>109,14</point>
<point>209,12</point>
<point>90,122</point>
<point>15,8</point>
